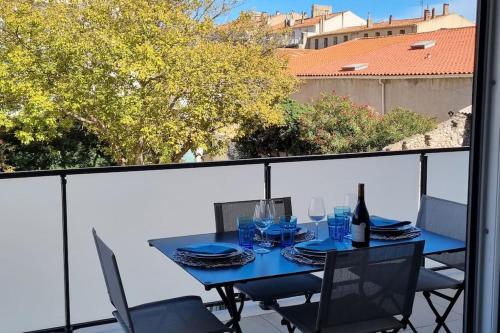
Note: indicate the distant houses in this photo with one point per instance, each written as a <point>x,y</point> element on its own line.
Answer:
<point>430,21</point>
<point>430,73</point>
<point>324,27</point>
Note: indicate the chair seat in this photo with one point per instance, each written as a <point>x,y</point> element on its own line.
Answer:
<point>429,280</point>
<point>304,316</point>
<point>280,287</point>
<point>183,314</point>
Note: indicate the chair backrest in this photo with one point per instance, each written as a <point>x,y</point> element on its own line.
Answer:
<point>369,283</point>
<point>113,282</point>
<point>447,218</point>
<point>226,213</point>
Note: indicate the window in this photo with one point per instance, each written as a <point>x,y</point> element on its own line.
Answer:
<point>365,35</point>
<point>316,44</point>
<point>389,33</point>
<point>346,38</point>
<point>402,31</point>
<point>335,40</point>
<point>377,34</point>
<point>325,42</point>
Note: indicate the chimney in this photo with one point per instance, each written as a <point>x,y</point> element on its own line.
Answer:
<point>433,13</point>
<point>427,15</point>
<point>369,21</point>
<point>390,19</point>
<point>446,8</point>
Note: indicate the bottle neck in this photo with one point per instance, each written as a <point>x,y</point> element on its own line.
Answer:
<point>361,192</point>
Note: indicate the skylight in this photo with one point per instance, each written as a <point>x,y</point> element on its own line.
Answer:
<point>423,44</point>
<point>354,67</point>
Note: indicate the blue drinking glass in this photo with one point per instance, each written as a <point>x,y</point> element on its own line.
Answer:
<point>288,228</point>
<point>246,231</point>
<point>336,227</point>
<point>344,213</point>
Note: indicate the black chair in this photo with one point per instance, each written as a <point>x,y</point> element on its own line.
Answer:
<point>363,290</point>
<point>183,314</point>
<point>446,218</point>
<point>266,291</point>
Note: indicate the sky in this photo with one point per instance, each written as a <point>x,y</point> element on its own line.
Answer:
<point>378,9</point>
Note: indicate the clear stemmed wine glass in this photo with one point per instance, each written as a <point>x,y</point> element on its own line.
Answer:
<point>263,218</point>
<point>316,212</point>
<point>350,201</point>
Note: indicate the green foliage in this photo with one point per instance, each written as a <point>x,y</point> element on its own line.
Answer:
<point>333,124</point>
<point>147,78</point>
<point>74,149</point>
<point>336,125</point>
<point>401,123</point>
<point>278,139</point>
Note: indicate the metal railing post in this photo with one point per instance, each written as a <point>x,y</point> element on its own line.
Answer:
<point>423,174</point>
<point>267,180</point>
<point>64,214</point>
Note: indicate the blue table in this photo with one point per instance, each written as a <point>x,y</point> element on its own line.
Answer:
<point>272,264</point>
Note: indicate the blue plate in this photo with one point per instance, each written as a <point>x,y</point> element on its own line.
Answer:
<point>212,250</point>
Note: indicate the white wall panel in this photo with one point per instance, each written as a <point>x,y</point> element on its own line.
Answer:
<point>31,274</point>
<point>448,176</point>
<point>392,184</point>
<point>127,209</point>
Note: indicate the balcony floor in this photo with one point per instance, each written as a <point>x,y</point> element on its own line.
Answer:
<point>256,320</point>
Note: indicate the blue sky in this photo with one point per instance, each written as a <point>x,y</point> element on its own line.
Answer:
<point>378,9</point>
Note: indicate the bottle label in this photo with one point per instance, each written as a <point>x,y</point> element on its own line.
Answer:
<point>358,232</point>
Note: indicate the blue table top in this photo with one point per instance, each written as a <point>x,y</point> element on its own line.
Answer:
<point>273,264</point>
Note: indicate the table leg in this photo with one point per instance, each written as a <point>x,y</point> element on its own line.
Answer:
<point>227,295</point>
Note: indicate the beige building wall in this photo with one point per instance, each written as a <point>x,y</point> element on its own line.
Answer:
<point>439,22</point>
<point>425,95</point>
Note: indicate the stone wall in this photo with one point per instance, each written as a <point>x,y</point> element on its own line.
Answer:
<point>454,132</point>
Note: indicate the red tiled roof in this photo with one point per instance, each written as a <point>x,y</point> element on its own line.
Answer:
<point>392,55</point>
<point>313,20</point>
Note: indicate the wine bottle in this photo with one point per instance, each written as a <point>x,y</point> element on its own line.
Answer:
<point>360,221</point>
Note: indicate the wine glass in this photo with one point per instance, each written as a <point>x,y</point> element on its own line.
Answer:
<point>350,201</point>
<point>263,219</point>
<point>316,212</point>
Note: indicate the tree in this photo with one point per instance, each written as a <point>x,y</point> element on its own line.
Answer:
<point>146,77</point>
<point>402,123</point>
<point>337,125</point>
<point>280,139</point>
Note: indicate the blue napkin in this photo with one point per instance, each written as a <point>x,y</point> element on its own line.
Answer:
<point>380,222</point>
<point>320,246</point>
<point>275,231</point>
<point>209,248</point>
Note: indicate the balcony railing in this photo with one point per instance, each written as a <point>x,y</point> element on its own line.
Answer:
<point>50,272</point>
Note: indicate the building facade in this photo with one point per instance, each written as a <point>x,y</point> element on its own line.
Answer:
<point>429,73</point>
<point>430,21</point>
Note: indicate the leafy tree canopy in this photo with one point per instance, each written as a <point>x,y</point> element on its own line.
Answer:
<point>146,77</point>
<point>333,124</point>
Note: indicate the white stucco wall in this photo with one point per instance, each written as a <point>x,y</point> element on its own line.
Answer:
<point>428,96</point>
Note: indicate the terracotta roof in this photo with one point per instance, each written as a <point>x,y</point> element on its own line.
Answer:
<point>392,55</point>
<point>308,22</point>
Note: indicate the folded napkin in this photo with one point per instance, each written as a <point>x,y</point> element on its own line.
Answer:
<point>275,231</point>
<point>209,248</point>
<point>320,246</point>
<point>380,222</point>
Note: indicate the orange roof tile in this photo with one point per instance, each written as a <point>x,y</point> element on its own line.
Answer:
<point>313,20</point>
<point>392,55</point>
